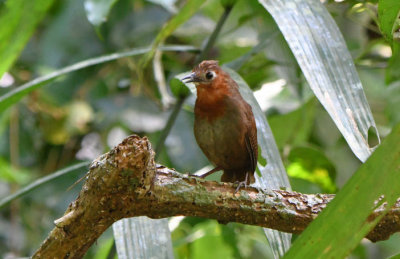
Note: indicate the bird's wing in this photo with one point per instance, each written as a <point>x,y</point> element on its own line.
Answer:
<point>251,142</point>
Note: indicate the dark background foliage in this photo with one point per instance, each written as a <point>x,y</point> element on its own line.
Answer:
<point>83,114</point>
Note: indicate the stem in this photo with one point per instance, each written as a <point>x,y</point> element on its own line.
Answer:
<point>214,35</point>
<point>238,63</point>
<point>171,121</point>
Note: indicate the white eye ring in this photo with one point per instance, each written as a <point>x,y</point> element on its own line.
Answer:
<point>210,75</point>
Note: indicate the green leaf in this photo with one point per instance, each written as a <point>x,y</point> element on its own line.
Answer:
<point>16,94</point>
<point>104,249</point>
<point>395,257</point>
<point>293,128</point>
<point>389,23</point>
<point>18,20</point>
<point>392,72</point>
<point>312,165</point>
<point>178,89</point>
<point>341,226</point>
<point>35,184</point>
<point>388,16</point>
<point>327,66</point>
<point>210,243</point>
<point>184,14</point>
<point>97,10</point>
<point>12,175</point>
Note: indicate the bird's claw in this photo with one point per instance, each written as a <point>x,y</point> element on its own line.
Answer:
<point>240,184</point>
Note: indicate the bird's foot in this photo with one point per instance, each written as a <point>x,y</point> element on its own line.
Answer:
<point>240,184</point>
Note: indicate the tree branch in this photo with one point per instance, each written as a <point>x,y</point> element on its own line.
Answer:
<point>126,182</point>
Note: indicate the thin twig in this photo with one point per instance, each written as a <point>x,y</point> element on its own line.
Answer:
<point>214,35</point>
<point>238,63</point>
<point>40,182</point>
<point>171,121</point>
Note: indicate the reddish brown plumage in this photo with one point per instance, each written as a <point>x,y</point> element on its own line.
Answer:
<point>224,125</point>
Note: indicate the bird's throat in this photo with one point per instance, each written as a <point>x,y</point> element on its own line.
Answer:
<point>210,102</point>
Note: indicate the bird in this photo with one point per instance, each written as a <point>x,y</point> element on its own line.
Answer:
<point>224,124</point>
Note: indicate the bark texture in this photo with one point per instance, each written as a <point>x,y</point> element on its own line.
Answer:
<point>126,182</point>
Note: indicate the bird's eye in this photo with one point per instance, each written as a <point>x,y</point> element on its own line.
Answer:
<point>210,75</point>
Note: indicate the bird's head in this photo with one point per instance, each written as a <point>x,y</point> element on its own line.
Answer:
<point>204,73</point>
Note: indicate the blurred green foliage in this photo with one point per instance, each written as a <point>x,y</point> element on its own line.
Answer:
<point>375,183</point>
<point>21,18</point>
<point>83,114</point>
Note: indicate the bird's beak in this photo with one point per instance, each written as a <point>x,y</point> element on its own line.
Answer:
<point>191,78</point>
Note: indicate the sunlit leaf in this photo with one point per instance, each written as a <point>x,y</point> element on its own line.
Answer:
<point>18,19</point>
<point>322,55</point>
<point>97,10</point>
<point>104,249</point>
<point>393,69</point>
<point>312,165</point>
<point>167,4</point>
<point>389,15</point>
<point>210,242</point>
<point>389,23</point>
<point>344,222</point>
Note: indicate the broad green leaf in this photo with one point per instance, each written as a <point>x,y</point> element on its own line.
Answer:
<point>389,23</point>
<point>393,69</point>
<point>341,226</point>
<point>18,19</point>
<point>326,63</point>
<point>388,15</point>
<point>104,249</point>
<point>295,127</point>
<point>312,165</point>
<point>182,16</point>
<point>16,94</point>
<point>210,242</point>
<point>97,10</point>
<point>178,89</point>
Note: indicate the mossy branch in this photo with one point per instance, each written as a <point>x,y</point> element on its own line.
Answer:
<point>126,182</point>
